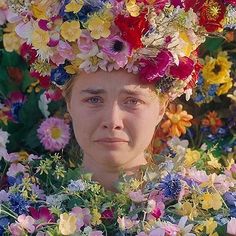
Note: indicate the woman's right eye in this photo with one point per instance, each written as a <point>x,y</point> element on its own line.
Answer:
<point>94,100</point>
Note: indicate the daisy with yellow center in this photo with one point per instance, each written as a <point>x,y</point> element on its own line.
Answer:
<point>54,134</point>
<point>178,120</point>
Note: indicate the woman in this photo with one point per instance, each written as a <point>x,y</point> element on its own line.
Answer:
<point>119,63</point>
<point>114,118</point>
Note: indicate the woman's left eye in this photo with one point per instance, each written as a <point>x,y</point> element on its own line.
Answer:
<point>133,101</point>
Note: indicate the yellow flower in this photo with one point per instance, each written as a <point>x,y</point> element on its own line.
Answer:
<point>210,226</point>
<point>132,8</point>
<point>191,157</point>
<point>39,11</point>
<point>74,6</point>
<point>99,27</point>
<point>74,67</point>
<point>71,31</point>
<point>224,88</point>
<point>67,225</point>
<point>187,209</point>
<point>40,39</point>
<point>11,42</point>
<point>217,70</point>
<point>177,121</point>
<point>213,162</point>
<point>213,201</point>
<point>188,46</point>
<point>96,217</point>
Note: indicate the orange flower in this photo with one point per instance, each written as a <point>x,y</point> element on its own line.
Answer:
<point>177,121</point>
<point>213,121</point>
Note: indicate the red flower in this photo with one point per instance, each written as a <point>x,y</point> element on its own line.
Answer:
<point>28,53</point>
<point>184,69</point>
<point>152,70</point>
<point>132,28</point>
<point>232,2</point>
<point>211,14</point>
<point>44,81</point>
<point>195,76</point>
<point>107,214</point>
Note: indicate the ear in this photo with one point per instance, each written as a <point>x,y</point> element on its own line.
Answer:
<point>68,107</point>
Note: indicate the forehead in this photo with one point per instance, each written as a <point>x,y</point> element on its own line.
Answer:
<point>111,82</point>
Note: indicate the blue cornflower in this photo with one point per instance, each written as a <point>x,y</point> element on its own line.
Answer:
<point>18,204</point>
<point>200,80</point>
<point>15,108</point>
<point>230,199</point>
<point>198,98</point>
<point>59,75</point>
<point>4,221</point>
<point>171,186</point>
<point>212,90</point>
<point>15,180</point>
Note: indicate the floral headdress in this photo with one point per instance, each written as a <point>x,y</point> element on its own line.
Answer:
<point>157,39</point>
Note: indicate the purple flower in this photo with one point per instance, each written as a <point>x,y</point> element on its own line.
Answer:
<point>115,48</point>
<point>152,70</point>
<point>18,204</point>
<point>170,186</point>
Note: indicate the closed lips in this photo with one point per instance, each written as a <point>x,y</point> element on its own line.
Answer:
<point>111,140</point>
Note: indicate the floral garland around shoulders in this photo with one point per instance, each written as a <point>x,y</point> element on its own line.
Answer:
<point>184,192</point>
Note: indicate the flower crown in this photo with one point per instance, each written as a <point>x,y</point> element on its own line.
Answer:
<point>156,39</point>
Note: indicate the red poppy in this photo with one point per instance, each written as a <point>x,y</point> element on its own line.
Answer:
<point>28,53</point>
<point>44,81</point>
<point>132,28</point>
<point>211,14</point>
<point>183,70</point>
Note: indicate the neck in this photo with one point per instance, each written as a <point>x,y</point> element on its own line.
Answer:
<point>107,175</point>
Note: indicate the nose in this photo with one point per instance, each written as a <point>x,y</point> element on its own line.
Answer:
<point>112,117</point>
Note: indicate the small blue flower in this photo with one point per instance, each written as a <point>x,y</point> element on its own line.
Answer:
<point>230,199</point>
<point>171,186</point>
<point>199,98</point>
<point>15,180</point>
<point>18,204</point>
<point>4,222</point>
<point>212,90</point>
<point>59,75</point>
<point>77,185</point>
<point>15,108</point>
<point>200,80</point>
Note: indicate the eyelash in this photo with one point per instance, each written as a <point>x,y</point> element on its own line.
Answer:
<point>137,101</point>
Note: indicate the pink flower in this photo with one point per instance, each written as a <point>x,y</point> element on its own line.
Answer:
<point>15,229</point>
<point>83,215</point>
<point>231,229</point>
<point>28,53</point>
<point>54,94</point>
<point>57,59</point>
<point>96,233</point>
<point>157,232</point>
<point>183,70</point>
<point>137,196</point>
<point>85,42</point>
<point>26,222</point>
<point>3,196</point>
<point>15,168</point>
<point>142,234</point>
<point>126,223</point>
<point>153,70</point>
<point>43,215</point>
<point>54,134</point>
<point>159,210</point>
<point>65,50</point>
<point>115,48</point>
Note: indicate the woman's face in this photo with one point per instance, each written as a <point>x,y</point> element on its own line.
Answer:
<point>114,116</point>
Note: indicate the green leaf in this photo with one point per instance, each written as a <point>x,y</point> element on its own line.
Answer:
<point>213,44</point>
<point>30,114</point>
<point>32,139</point>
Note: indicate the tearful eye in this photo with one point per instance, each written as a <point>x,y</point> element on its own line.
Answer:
<point>94,100</point>
<point>133,101</point>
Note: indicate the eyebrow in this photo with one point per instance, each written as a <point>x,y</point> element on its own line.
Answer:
<point>102,91</point>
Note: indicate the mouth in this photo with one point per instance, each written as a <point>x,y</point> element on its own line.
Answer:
<point>111,140</point>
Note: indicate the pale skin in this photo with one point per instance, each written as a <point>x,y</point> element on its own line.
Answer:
<point>114,118</point>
